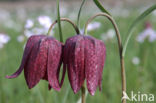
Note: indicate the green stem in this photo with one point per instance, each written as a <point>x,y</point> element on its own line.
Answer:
<point>63,19</point>
<point>123,74</point>
<point>79,14</point>
<point>58,18</point>
<point>112,21</point>
<point>83,99</point>
<point>99,5</point>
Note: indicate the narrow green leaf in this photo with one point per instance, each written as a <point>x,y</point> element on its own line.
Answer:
<point>58,19</point>
<point>134,24</point>
<point>99,5</point>
<point>79,14</point>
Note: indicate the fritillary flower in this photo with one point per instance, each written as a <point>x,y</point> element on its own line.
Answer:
<point>84,58</point>
<point>42,59</point>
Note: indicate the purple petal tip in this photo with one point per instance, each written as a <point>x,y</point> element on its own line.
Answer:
<point>58,89</point>
<point>92,93</point>
<point>10,77</point>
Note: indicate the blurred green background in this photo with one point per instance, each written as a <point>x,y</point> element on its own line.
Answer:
<point>140,75</point>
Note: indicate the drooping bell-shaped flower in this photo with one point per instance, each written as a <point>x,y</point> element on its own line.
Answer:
<point>41,60</point>
<point>84,58</point>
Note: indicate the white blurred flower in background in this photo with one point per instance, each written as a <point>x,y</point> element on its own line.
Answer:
<point>30,30</point>
<point>110,34</point>
<point>28,33</point>
<point>20,38</point>
<point>104,36</point>
<point>82,31</point>
<point>93,26</point>
<point>38,30</point>
<point>45,21</point>
<point>148,33</point>
<point>4,39</point>
<point>135,60</point>
<point>41,31</point>
<point>29,24</point>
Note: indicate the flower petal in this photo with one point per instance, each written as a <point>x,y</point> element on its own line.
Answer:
<point>70,65</point>
<point>35,69</point>
<point>91,65</point>
<point>30,43</point>
<point>79,66</point>
<point>101,54</point>
<point>75,61</point>
<point>74,58</point>
<point>54,57</point>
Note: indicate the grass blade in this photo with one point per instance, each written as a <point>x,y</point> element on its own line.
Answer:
<point>134,24</point>
<point>58,19</point>
<point>99,5</point>
<point>79,14</point>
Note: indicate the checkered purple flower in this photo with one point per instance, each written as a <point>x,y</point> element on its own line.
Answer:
<point>84,58</point>
<point>42,59</point>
